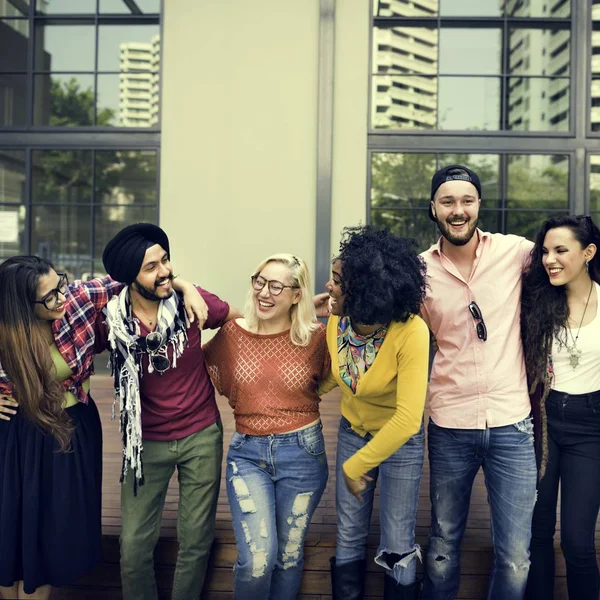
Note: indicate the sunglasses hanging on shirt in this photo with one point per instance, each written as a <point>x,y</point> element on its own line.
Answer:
<point>157,353</point>
<point>480,327</point>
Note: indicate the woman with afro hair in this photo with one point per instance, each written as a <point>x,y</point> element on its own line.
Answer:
<point>379,349</point>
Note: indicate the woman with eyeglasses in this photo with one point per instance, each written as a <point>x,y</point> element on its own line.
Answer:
<point>50,430</point>
<point>379,349</point>
<point>269,365</point>
<point>561,337</point>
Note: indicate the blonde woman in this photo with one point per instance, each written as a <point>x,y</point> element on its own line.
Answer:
<point>269,365</point>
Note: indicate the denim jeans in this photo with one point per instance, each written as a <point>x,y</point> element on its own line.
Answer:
<point>400,477</point>
<point>574,461</point>
<point>507,457</point>
<point>198,462</point>
<point>274,485</point>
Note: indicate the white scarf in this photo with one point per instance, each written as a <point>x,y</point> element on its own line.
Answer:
<point>126,367</point>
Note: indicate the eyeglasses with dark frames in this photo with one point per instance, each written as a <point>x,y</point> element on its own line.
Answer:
<point>157,353</point>
<point>275,287</point>
<point>50,300</point>
<point>480,327</point>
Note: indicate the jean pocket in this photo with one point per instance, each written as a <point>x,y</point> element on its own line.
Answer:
<point>237,440</point>
<point>312,441</point>
<point>525,426</point>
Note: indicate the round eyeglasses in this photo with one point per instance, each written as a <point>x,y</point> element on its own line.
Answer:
<point>275,287</point>
<point>51,299</point>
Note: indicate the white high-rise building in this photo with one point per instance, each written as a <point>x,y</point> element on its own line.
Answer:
<point>411,101</point>
<point>139,83</point>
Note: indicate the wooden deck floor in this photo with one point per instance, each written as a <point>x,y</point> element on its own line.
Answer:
<point>104,583</point>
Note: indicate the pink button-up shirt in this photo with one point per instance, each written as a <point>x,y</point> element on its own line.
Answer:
<point>476,384</point>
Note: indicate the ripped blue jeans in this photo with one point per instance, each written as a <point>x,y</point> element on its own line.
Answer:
<point>507,457</point>
<point>399,478</point>
<point>274,485</point>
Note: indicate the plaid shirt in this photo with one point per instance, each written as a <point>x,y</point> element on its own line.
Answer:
<point>74,333</point>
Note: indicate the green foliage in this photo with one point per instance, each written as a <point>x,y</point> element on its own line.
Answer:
<point>536,188</point>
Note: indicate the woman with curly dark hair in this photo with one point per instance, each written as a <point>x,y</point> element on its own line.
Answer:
<point>561,338</point>
<point>379,349</point>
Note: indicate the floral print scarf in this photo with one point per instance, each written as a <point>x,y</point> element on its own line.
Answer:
<point>356,353</point>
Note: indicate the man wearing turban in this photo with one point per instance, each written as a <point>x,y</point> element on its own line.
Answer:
<point>169,416</point>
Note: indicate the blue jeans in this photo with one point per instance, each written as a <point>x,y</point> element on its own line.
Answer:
<point>274,484</point>
<point>400,477</point>
<point>508,460</point>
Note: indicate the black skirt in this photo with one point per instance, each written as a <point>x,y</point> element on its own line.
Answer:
<point>50,502</point>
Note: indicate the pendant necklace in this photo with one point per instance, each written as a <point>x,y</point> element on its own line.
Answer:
<point>574,351</point>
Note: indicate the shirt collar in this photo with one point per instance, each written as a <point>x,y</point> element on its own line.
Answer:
<point>483,235</point>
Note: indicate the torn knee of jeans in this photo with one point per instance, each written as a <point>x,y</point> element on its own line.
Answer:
<point>242,493</point>
<point>298,521</point>
<point>259,556</point>
<point>520,567</point>
<point>441,557</point>
<point>392,560</point>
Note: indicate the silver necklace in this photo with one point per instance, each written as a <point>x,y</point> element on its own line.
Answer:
<point>574,351</point>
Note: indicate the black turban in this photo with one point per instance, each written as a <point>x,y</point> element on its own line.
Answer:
<point>124,254</point>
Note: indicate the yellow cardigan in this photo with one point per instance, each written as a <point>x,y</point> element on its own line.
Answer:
<point>389,398</point>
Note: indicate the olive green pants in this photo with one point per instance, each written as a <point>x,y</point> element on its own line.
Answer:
<point>198,462</point>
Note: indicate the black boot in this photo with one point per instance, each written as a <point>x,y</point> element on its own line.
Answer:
<point>348,581</point>
<point>395,591</point>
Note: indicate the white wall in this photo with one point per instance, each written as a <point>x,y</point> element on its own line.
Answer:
<point>239,131</point>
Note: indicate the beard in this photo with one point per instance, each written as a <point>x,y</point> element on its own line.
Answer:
<point>461,239</point>
<point>151,293</point>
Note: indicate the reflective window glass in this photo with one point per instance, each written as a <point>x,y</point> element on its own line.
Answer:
<point>119,6</point>
<point>63,100</point>
<point>12,176</point>
<point>549,8</point>
<point>65,47</point>
<point>62,176</point>
<point>12,230</point>
<point>128,47</point>
<point>470,51</point>
<point>63,7</point>
<point>595,186</point>
<point>62,234</point>
<point>535,187</point>
<point>126,177</point>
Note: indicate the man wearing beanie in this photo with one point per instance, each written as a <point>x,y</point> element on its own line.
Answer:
<point>169,417</point>
<point>478,400</point>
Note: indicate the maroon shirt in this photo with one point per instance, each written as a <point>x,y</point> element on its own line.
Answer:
<point>181,401</point>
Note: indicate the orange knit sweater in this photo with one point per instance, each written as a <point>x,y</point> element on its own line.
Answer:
<point>271,383</point>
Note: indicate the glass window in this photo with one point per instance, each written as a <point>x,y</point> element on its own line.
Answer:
<point>64,47</point>
<point>87,71</point>
<point>12,201</point>
<point>12,230</point>
<point>490,76</point>
<point>63,100</point>
<point>119,6</point>
<point>62,234</point>
<point>13,100</point>
<point>128,48</point>
<point>14,9</point>
<point>61,176</point>
<point>595,69</point>
<point>126,177</point>
<point>534,188</point>
<point>595,186</point>
<point>12,177</point>
<point>470,51</point>
<point>54,7</point>
<point>548,8</point>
